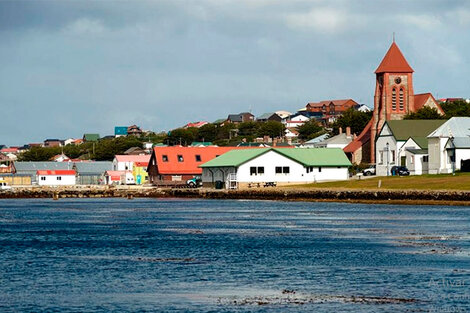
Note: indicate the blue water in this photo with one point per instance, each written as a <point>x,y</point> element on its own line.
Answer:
<point>102,255</point>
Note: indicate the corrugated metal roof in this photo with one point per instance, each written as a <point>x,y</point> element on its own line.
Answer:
<point>461,142</point>
<point>22,167</point>
<point>456,126</point>
<point>89,168</point>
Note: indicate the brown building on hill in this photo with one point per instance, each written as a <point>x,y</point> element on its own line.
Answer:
<point>329,110</point>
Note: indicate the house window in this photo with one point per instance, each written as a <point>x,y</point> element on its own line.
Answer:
<point>426,158</point>
<point>198,158</point>
<point>319,169</point>
<point>282,169</point>
<point>180,158</point>
<point>164,158</point>
<point>43,178</point>
<point>256,170</point>
<point>394,99</point>
<point>402,100</point>
<point>309,169</point>
<point>217,155</point>
<point>393,156</point>
<point>59,178</point>
<point>381,157</point>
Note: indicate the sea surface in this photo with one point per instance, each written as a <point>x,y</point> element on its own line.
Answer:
<point>173,255</point>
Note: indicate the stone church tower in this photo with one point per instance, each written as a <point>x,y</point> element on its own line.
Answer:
<point>394,96</point>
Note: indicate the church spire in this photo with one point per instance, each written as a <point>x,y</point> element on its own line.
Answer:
<point>394,61</point>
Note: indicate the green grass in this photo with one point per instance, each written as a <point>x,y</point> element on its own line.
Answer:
<point>459,181</point>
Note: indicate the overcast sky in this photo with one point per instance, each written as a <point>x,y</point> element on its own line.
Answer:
<point>67,68</point>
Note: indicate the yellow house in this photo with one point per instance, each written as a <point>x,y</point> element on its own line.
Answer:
<point>140,174</point>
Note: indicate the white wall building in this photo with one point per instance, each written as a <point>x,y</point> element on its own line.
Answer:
<point>389,145</point>
<point>126,162</point>
<point>449,146</point>
<point>295,121</point>
<point>277,165</point>
<point>56,177</point>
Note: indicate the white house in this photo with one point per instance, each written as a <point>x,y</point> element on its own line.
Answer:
<point>56,177</point>
<point>276,166</point>
<point>416,154</point>
<point>295,120</point>
<point>389,145</point>
<point>126,162</point>
<point>119,178</point>
<point>449,146</point>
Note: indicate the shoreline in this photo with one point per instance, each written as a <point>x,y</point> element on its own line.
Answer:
<point>405,197</point>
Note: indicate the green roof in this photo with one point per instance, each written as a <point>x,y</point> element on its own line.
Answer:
<point>421,141</point>
<point>404,129</point>
<point>235,158</point>
<point>316,156</point>
<point>91,137</point>
<point>307,157</point>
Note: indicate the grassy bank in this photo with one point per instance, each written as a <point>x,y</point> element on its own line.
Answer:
<point>459,181</point>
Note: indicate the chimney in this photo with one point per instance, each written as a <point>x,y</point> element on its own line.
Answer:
<point>275,142</point>
<point>354,136</point>
<point>348,131</point>
<point>340,130</point>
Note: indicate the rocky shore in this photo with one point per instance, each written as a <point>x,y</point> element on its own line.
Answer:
<point>280,194</point>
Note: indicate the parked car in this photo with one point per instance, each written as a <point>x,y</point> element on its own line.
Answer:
<point>400,171</point>
<point>369,171</point>
<point>194,182</point>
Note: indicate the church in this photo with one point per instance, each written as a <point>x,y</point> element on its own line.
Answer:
<point>394,98</point>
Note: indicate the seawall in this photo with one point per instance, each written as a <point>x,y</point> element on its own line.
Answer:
<point>280,194</point>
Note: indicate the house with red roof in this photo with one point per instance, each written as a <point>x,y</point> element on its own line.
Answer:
<point>394,98</point>
<point>330,110</point>
<point>56,177</point>
<point>176,164</point>
<point>126,162</point>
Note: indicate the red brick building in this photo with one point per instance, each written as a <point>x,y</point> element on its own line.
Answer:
<point>394,98</point>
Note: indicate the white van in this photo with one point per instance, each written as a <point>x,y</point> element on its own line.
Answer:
<point>4,185</point>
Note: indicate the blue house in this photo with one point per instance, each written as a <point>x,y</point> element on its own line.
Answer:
<point>120,131</point>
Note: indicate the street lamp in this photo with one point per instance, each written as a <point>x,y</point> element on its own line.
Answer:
<point>388,161</point>
<point>452,157</point>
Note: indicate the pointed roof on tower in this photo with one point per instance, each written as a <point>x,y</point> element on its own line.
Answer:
<point>394,62</point>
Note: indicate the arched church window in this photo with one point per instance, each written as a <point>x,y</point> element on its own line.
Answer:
<point>402,100</point>
<point>394,99</point>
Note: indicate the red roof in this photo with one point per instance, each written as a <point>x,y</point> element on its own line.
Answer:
<point>9,150</point>
<point>335,102</point>
<point>56,172</point>
<point>133,158</point>
<point>394,62</point>
<point>362,139</point>
<point>421,99</point>
<point>189,157</point>
<point>141,164</point>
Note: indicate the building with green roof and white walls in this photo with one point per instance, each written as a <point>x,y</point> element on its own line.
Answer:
<point>276,166</point>
<point>390,148</point>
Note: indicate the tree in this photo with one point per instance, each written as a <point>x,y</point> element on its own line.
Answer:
<point>183,136</point>
<point>357,120</point>
<point>272,129</point>
<point>207,132</point>
<point>456,108</point>
<point>425,113</point>
<point>309,130</point>
<point>248,128</point>
<point>39,154</point>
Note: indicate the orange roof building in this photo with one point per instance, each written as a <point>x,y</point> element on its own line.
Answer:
<point>175,164</point>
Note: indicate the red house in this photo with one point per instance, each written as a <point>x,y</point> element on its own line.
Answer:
<point>176,164</point>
